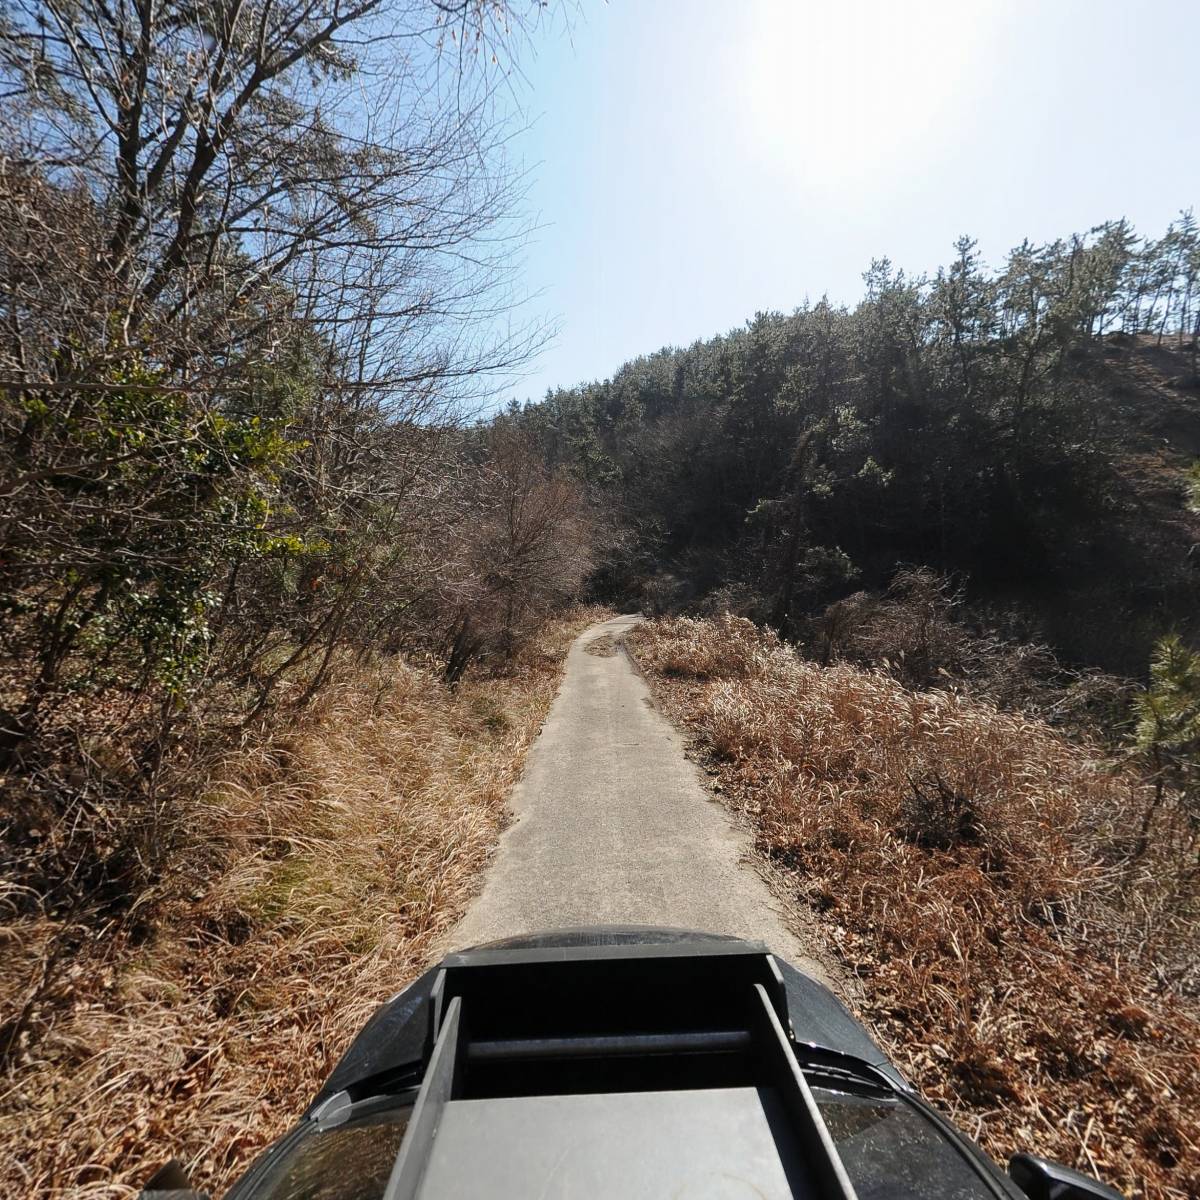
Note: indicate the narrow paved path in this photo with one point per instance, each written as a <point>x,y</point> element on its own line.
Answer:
<point>612,824</point>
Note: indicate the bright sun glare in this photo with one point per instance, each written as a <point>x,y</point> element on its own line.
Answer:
<point>834,91</point>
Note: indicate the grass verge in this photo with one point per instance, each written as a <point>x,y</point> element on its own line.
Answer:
<point>318,867</point>
<point>970,868</point>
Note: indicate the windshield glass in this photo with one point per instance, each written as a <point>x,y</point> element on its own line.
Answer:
<point>348,1162</point>
<point>892,1152</point>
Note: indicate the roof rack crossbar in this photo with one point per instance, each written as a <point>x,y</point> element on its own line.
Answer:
<point>441,1079</point>
<point>820,1152</point>
<point>702,1041</point>
<point>763,1042</point>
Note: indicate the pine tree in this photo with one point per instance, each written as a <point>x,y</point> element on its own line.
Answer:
<point>1167,733</point>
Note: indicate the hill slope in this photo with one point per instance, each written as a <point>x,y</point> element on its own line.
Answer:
<point>972,870</point>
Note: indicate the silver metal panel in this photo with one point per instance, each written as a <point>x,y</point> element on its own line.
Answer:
<point>695,1145</point>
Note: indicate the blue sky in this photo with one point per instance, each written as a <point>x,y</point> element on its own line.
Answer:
<point>695,161</point>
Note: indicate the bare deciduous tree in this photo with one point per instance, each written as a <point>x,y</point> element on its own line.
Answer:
<point>253,256</point>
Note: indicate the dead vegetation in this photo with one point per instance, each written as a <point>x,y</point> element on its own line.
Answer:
<point>975,871</point>
<point>318,869</point>
<point>602,646</point>
<point>921,630</point>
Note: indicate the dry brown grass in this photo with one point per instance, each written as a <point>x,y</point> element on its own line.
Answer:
<point>968,866</point>
<point>322,865</point>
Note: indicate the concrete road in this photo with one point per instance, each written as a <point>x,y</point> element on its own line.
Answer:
<point>613,826</point>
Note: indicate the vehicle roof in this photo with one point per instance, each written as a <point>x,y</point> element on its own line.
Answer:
<point>625,1062</point>
<point>398,1035</point>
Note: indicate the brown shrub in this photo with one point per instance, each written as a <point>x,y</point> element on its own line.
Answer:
<point>687,648</point>
<point>968,864</point>
<point>922,633</point>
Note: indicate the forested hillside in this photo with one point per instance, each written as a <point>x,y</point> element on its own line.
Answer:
<point>964,720</point>
<point>1027,430</point>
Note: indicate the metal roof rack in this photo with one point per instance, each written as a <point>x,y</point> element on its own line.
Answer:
<point>632,1070</point>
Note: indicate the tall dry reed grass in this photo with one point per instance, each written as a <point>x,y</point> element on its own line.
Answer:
<point>320,866</point>
<point>969,866</point>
